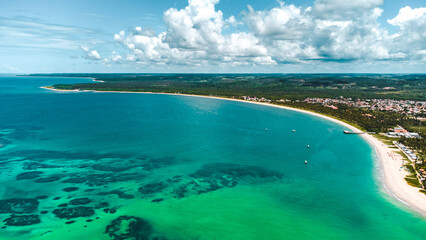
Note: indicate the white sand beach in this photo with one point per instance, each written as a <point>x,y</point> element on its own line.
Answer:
<point>390,173</point>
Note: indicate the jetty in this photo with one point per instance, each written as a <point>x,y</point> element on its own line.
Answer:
<point>349,132</point>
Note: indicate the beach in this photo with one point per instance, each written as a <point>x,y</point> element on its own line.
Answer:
<point>389,172</point>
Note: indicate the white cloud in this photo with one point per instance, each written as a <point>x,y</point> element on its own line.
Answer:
<point>232,21</point>
<point>94,55</point>
<point>407,15</point>
<point>116,58</point>
<point>330,30</point>
<point>285,22</point>
<point>197,26</point>
<point>193,37</point>
<point>359,38</point>
<point>343,9</point>
<point>91,54</point>
<point>412,30</point>
<point>295,34</point>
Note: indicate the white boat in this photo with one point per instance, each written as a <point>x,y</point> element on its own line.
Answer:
<point>308,146</point>
<point>294,130</point>
<point>306,162</point>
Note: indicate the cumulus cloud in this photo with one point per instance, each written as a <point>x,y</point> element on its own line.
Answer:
<point>91,54</point>
<point>359,38</point>
<point>408,15</point>
<point>329,30</point>
<point>194,37</point>
<point>293,33</point>
<point>343,9</point>
<point>285,22</point>
<point>412,34</point>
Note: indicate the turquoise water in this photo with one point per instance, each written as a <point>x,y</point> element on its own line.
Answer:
<point>178,167</point>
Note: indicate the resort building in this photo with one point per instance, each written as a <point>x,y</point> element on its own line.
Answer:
<point>401,132</point>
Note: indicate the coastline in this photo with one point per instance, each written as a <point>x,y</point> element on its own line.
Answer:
<point>390,174</point>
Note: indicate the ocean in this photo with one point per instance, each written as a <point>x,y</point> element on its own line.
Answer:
<point>85,165</point>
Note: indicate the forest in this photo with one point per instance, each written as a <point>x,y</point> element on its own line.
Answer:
<point>271,86</point>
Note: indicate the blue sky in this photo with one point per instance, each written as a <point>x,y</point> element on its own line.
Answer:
<point>213,36</point>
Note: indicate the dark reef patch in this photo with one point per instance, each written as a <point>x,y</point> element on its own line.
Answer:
<point>175,179</point>
<point>110,210</point>
<point>117,192</point>
<point>215,176</point>
<point>157,200</point>
<point>155,163</point>
<point>129,227</point>
<point>80,201</point>
<point>18,205</point>
<point>48,179</point>
<point>102,205</point>
<point>29,175</point>
<point>70,189</point>
<point>152,188</point>
<point>36,155</point>
<point>113,166</point>
<point>37,165</point>
<point>63,205</point>
<point>42,197</point>
<point>22,220</point>
<point>74,212</point>
<point>234,171</point>
<point>103,179</point>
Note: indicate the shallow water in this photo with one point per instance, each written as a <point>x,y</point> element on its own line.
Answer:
<point>181,167</point>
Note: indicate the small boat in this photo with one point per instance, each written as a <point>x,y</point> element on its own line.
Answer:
<point>306,162</point>
<point>294,130</point>
<point>266,129</point>
<point>308,146</point>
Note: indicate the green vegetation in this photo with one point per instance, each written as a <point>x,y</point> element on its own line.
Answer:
<point>413,182</point>
<point>411,170</point>
<point>386,140</point>
<point>416,128</point>
<point>412,179</point>
<point>271,86</point>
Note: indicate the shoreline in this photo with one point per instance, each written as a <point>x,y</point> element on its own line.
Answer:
<point>390,175</point>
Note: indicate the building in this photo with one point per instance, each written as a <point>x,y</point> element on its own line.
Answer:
<point>399,129</point>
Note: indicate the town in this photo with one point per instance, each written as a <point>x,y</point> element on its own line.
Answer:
<point>406,107</point>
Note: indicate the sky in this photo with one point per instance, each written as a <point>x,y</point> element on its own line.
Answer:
<point>213,36</point>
